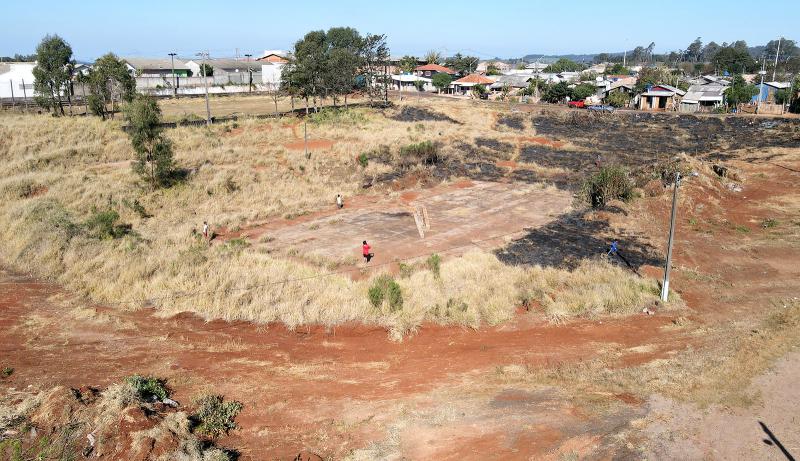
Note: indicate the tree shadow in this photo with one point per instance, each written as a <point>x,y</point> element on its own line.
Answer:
<point>571,238</point>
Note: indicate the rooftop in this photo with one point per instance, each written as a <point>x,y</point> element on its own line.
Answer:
<point>436,68</point>
<point>474,79</point>
<point>151,63</point>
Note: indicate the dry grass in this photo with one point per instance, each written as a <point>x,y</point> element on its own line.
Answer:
<point>57,172</point>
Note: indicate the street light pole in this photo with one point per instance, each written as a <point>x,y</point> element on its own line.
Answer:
<point>665,285</point>
<point>204,55</point>
<point>174,78</point>
<point>250,72</point>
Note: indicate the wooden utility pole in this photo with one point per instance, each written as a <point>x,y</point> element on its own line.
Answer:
<point>13,101</point>
<point>204,55</point>
<point>174,78</point>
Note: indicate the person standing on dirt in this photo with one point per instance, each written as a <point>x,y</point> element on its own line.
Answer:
<point>339,201</point>
<point>365,251</point>
<point>205,230</point>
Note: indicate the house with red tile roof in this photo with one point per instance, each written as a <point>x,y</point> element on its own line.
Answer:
<point>466,83</point>
<point>429,70</point>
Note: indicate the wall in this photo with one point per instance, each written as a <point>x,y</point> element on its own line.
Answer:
<point>17,74</point>
<point>143,83</point>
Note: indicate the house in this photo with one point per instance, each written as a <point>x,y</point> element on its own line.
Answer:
<point>514,81</point>
<point>468,82</point>
<point>275,56</point>
<point>616,87</point>
<point>408,82</point>
<point>271,73</point>
<point>703,98</point>
<point>709,80</point>
<point>233,71</point>
<point>429,70</point>
<point>501,66</point>
<point>16,80</point>
<point>660,97</point>
<point>145,67</point>
<point>767,91</point>
<point>536,66</point>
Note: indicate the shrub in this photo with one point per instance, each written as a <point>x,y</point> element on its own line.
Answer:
<point>103,225</point>
<point>148,387</point>
<point>434,264</point>
<point>384,288</point>
<point>425,152</point>
<point>363,160</point>
<point>6,372</point>
<point>611,182</point>
<point>214,416</point>
<point>335,115</point>
<point>618,99</point>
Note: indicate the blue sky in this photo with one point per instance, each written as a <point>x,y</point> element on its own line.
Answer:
<point>154,28</point>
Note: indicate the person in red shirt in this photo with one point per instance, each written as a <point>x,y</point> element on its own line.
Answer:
<point>365,251</point>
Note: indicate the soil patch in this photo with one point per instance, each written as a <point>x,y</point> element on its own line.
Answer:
<point>315,144</point>
<point>543,141</point>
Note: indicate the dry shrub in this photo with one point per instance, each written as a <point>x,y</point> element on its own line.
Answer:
<point>594,288</point>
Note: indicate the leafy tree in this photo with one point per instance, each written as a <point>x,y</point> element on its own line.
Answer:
<point>407,63</point>
<point>433,57</point>
<point>617,99</point>
<point>739,92</point>
<point>109,78</point>
<point>564,65</point>
<point>618,69</point>
<point>694,50</point>
<point>709,51</point>
<point>154,161</point>
<point>601,58</point>
<point>782,96</point>
<point>478,90</point>
<point>653,76</point>
<point>205,69</point>
<point>52,72</point>
<point>556,93</point>
<point>441,81</point>
<point>734,59</point>
<point>583,91</point>
<point>492,69</point>
<point>374,55</point>
<point>461,64</point>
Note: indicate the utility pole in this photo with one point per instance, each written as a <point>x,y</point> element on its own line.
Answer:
<point>762,72</point>
<point>174,78</point>
<point>13,101</point>
<point>204,55</point>
<point>250,72</point>
<point>777,53</point>
<point>665,285</point>
<point>305,136</point>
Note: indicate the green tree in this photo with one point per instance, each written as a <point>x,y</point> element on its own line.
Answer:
<point>739,92</point>
<point>441,81</point>
<point>601,58</point>
<point>782,96</point>
<point>407,64</point>
<point>650,76</point>
<point>461,64</point>
<point>583,91</point>
<point>478,90</point>
<point>205,69</point>
<point>154,160</point>
<point>109,80</point>
<point>556,93</point>
<point>492,69</point>
<point>694,50</point>
<point>734,60</point>
<point>564,65</point>
<point>52,72</point>
<point>617,99</point>
<point>618,69</point>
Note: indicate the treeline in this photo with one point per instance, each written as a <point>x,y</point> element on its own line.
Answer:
<point>334,64</point>
<point>19,58</point>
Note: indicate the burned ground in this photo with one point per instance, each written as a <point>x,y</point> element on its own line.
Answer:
<point>513,121</point>
<point>566,241</point>
<point>421,114</point>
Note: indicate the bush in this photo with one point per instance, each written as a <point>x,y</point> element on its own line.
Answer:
<point>618,99</point>
<point>423,152</point>
<point>363,160</point>
<point>214,416</point>
<point>6,372</point>
<point>583,91</point>
<point>148,388</point>
<point>335,115</point>
<point>434,264</point>
<point>384,288</point>
<point>103,225</point>
<point>611,182</point>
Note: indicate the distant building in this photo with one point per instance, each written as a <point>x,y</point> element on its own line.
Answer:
<point>16,80</point>
<point>767,92</point>
<point>466,83</point>
<point>146,67</point>
<point>501,66</point>
<point>703,97</point>
<point>429,70</point>
<point>275,56</point>
<point>660,97</point>
<point>408,82</point>
<point>514,81</point>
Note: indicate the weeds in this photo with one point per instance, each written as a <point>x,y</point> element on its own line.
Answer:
<point>769,223</point>
<point>434,265</point>
<point>6,372</point>
<point>425,152</point>
<point>214,416</point>
<point>363,160</point>
<point>148,388</point>
<point>385,289</point>
<point>338,116</point>
<point>611,182</point>
<point>103,225</point>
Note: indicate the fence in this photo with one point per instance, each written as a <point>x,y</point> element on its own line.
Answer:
<point>166,81</point>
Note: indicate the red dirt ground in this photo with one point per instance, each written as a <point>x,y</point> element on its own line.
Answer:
<point>313,144</point>
<point>332,392</point>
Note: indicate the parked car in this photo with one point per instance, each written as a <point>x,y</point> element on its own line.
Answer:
<point>601,108</point>
<point>577,104</point>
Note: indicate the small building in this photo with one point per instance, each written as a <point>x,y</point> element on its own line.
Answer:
<point>767,91</point>
<point>468,82</point>
<point>703,98</point>
<point>501,66</point>
<point>660,97</point>
<point>16,80</point>
<point>408,82</point>
<point>227,70</point>
<point>514,82</point>
<point>271,73</point>
<point>146,67</point>
<point>616,87</point>
<point>275,56</point>
<point>429,70</point>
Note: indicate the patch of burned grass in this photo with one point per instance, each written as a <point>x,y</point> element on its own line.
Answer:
<point>513,121</point>
<point>421,114</point>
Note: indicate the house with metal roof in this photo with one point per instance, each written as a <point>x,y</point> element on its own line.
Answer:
<point>703,98</point>
<point>514,81</point>
<point>768,90</point>
<point>147,67</point>
<point>660,97</point>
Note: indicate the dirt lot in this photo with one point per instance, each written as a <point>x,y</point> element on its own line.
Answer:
<point>691,381</point>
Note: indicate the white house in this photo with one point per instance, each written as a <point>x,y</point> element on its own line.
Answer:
<point>16,79</point>
<point>271,74</point>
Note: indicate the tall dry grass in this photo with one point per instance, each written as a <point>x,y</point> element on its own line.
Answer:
<point>55,173</point>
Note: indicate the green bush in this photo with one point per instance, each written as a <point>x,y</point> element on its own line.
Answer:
<point>618,99</point>
<point>103,225</point>
<point>434,264</point>
<point>6,372</point>
<point>214,416</point>
<point>363,160</point>
<point>384,288</point>
<point>425,152</point>
<point>148,387</point>
<point>611,182</point>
